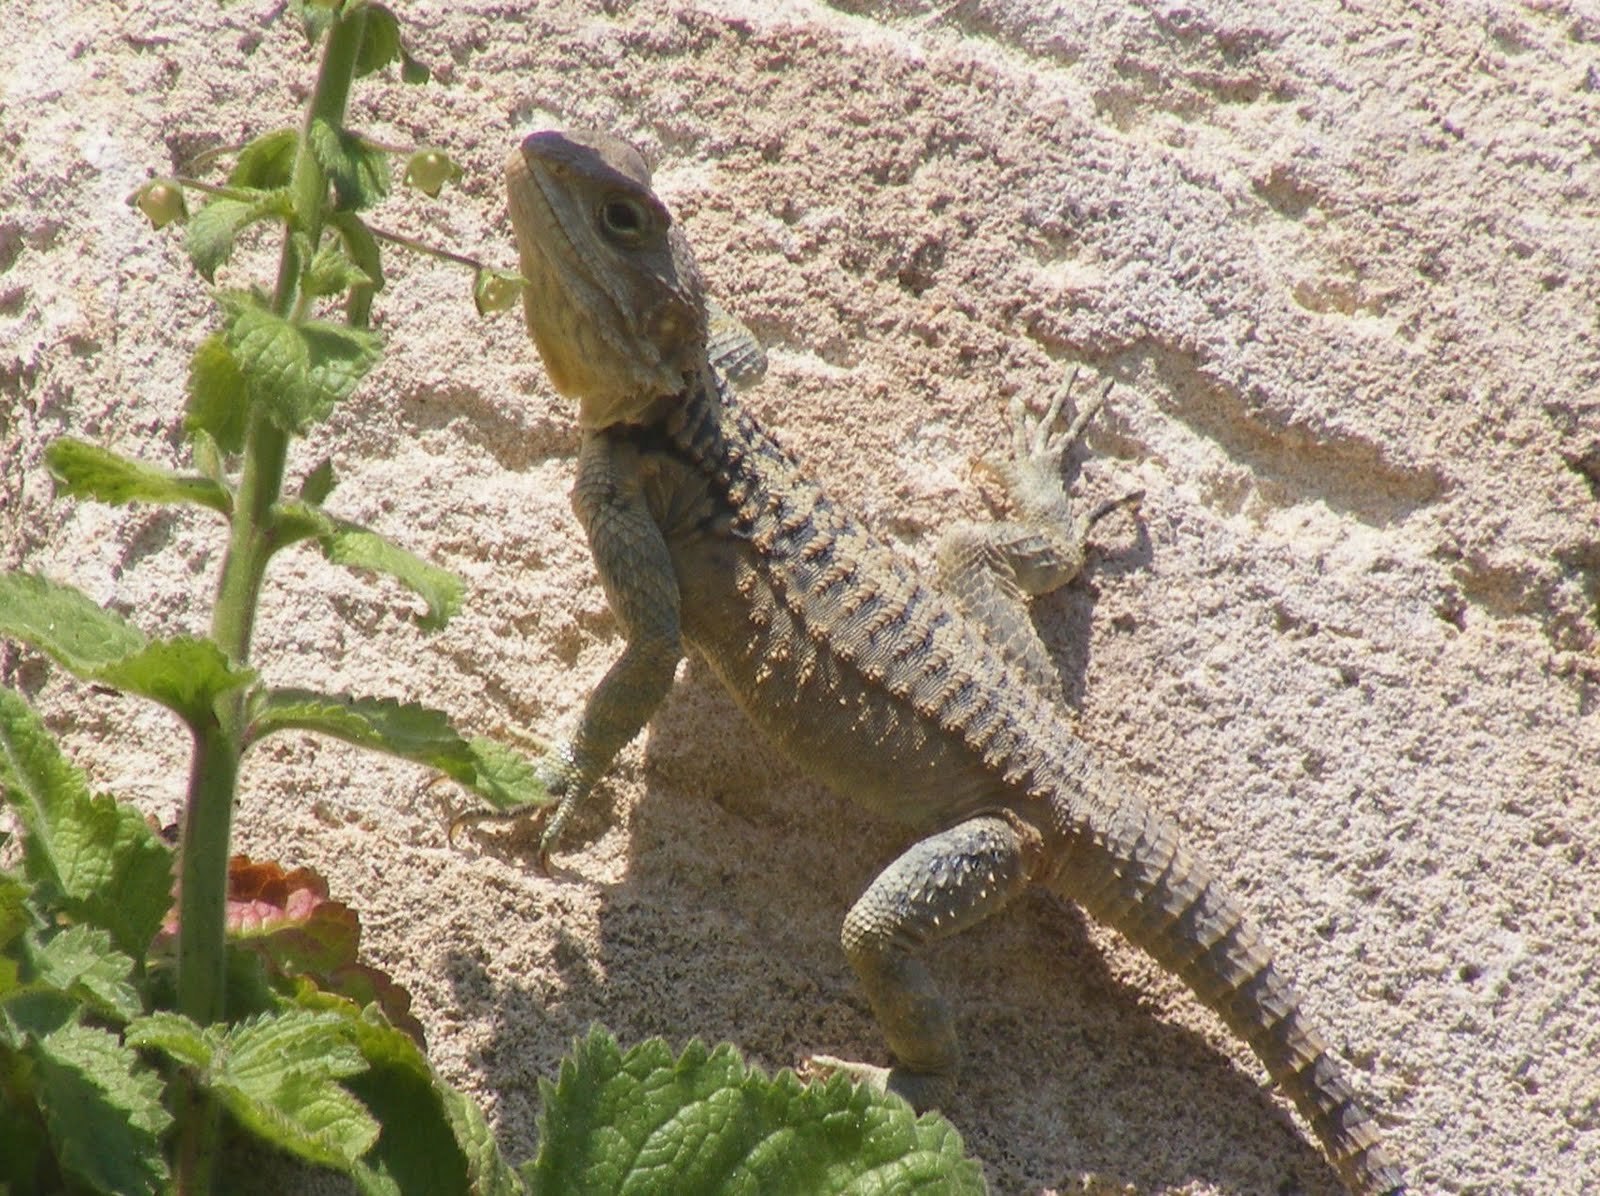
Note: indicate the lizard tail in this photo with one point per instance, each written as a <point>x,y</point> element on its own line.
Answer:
<point>1136,878</point>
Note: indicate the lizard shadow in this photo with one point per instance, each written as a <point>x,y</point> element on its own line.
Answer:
<point>724,926</point>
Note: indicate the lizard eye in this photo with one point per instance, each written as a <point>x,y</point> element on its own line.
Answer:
<point>624,219</point>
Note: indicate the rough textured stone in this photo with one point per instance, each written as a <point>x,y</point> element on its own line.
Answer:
<point>1344,265</point>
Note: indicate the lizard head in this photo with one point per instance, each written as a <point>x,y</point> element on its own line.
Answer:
<point>614,301</point>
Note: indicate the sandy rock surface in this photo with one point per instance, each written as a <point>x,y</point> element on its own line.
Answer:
<point>1342,263</point>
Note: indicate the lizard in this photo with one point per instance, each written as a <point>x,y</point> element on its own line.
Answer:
<point>931,702</point>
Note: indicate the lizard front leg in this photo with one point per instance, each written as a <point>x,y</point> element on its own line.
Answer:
<point>938,887</point>
<point>636,570</point>
<point>990,570</point>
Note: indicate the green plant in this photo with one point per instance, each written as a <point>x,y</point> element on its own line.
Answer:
<point>88,988</point>
<point>131,1022</point>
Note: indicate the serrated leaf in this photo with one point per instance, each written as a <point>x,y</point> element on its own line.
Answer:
<point>358,171</point>
<point>81,962</point>
<point>213,229</point>
<point>103,1111</point>
<point>219,400</point>
<point>98,858</point>
<point>297,372</point>
<point>277,1074</point>
<point>405,729</point>
<point>184,674</point>
<point>85,470</point>
<point>506,778</point>
<point>331,271</point>
<point>65,623</point>
<point>703,1122</point>
<point>433,1139</point>
<point>355,546</point>
<point>412,732</point>
<point>176,1036</point>
<point>267,162</point>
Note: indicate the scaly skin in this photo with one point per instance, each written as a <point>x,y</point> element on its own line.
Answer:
<point>935,706</point>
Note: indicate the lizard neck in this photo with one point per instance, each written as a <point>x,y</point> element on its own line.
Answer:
<point>740,460</point>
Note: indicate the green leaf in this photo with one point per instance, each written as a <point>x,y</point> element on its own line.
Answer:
<point>87,470</point>
<point>65,623</point>
<point>646,1122</point>
<point>412,71</point>
<point>176,1036</point>
<point>279,1077</point>
<point>184,674</point>
<point>380,40</point>
<point>358,171</point>
<point>429,1143</point>
<point>404,729</point>
<point>207,457</point>
<point>362,247</point>
<point>98,858</point>
<point>412,732</point>
<point>81,962</point>
<point>316,17</point>
<point>278,1074</point>
<point>346,543</point>
<point>14,919</point>
<point>506,778</point>
<point>295,371</point>
<point>297,520</point>
<point>319,483</point>
<point>213,229</point>
<point>219,400</point>
<point>267,162</point>
<point>355,546</point>
<point>332,271</point>
<point>103,1110</point>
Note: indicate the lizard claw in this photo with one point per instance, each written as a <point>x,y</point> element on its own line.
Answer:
<point>1038,445</point>
<point>1130,500</point>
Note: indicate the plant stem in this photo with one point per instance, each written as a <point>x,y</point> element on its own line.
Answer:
<point>219,743</point>
<point>423,247</point>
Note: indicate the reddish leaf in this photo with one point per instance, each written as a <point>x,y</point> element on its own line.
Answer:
<point>288,920</point>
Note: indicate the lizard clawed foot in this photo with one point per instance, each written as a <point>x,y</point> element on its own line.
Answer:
<point>541,824</point>
<point>1037,445</point>
<point>921,1090</point>
<point>530,827</point>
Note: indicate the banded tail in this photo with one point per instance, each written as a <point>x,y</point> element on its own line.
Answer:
<point>1137,879</point>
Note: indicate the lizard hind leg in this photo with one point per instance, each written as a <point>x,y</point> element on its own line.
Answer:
<point>938,887</point>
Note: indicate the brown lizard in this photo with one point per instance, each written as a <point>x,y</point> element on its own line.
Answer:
<point>933,705</point>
